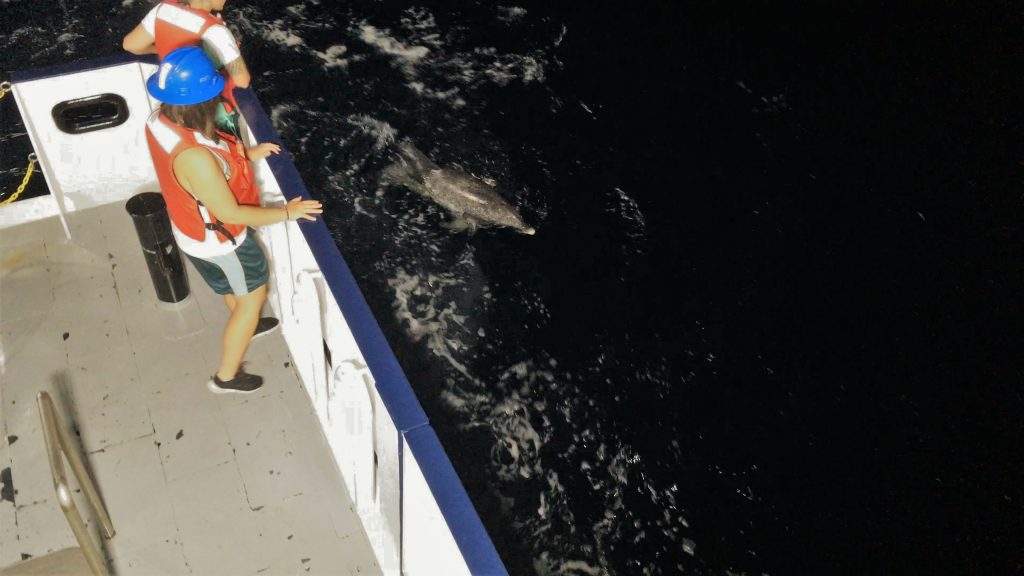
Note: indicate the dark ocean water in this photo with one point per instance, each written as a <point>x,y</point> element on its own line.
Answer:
<point>771,319</point>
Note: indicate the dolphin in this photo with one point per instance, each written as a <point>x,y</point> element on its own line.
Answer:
<point>472,202</point>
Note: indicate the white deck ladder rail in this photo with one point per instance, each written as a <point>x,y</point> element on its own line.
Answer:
<point>59,446</point>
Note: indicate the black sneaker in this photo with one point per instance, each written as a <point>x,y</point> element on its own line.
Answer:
<point>242,383</point>
<point>266,325</point>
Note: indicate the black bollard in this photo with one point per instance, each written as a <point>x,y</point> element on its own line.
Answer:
<point>166,268</point>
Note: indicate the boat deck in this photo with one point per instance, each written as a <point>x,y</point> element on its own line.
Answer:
<point>194,482</point>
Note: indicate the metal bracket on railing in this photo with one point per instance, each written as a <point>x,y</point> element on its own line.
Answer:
<point>308,319</point>
<point>302,278</point>
<point>58,442</point>
<point>344,368</point>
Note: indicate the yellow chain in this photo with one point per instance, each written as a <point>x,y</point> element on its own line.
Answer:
<point>28,174</point>
<point>5,87</point>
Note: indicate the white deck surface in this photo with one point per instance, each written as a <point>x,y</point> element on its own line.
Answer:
<point>194,482</point>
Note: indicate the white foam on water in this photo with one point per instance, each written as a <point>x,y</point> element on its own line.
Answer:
<point>281,34</point>
<point>524,68</point>
<point>504,68</point>
<point>545,565</point>
<point>382,40</point>
<point>629,209</point>
<point>451,95</point>
<point>26,32</point>
<point>561,36</point>
<point>633,225</point>
<point>14,171</point>
<point>294,114</point>
<point>510,14</point>
<point>245,16</point>
<point>429,317</point>
<point>45,44</point>
<point>383,133</point>
<point>437,72</point>
<point>278,113</point>
<point>332,57</point>
<point>525,408</point>
<point>578,567</point>
<point>519,449</point>
<point>357,205</point>
<point>421,26</point>
<point>462,73</point>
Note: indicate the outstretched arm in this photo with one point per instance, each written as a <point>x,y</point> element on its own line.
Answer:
<point>261,151</point>
<point>139,41</point>
<point>200,174</point>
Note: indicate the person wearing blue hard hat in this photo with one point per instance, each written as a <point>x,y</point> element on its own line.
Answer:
<point>174,24</point>
<point>185,77</point>
<point>212,200</point>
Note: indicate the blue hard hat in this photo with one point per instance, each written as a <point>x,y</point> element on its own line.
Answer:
<point>185,76</point>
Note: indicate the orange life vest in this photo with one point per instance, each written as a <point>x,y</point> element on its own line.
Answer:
<point>166,141</point>
<point>177,26</point>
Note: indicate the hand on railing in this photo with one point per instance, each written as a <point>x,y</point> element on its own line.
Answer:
<point>302,209</point>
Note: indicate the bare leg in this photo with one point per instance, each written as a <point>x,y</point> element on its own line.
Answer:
<point>229,300</point>
<point>237,334</point>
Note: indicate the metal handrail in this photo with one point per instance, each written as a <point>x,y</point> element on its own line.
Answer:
<point>58,442</point>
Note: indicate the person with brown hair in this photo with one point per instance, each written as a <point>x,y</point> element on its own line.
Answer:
<point>213,200</point>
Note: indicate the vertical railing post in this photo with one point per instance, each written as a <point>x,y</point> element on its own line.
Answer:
<point>307,313</point>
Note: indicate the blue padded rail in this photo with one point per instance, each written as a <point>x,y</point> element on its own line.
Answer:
<point>463,521</point>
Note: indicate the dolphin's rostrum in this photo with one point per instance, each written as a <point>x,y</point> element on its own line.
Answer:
<point>472,202</point>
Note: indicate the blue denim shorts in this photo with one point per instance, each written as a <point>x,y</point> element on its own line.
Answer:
<point>239,272</point>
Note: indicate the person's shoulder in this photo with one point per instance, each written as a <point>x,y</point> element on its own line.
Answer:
<point>194,152</point>
<point>223,42</point>
<point>149,20</point>
<point>220,28</point>
<point>194,159</point>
